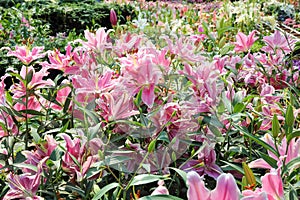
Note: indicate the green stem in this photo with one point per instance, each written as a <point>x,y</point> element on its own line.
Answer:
<point>26,111</point>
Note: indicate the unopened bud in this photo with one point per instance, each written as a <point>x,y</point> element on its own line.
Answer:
<point>113,17</point>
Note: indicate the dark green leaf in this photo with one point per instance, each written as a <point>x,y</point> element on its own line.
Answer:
<point>104,190</point>
<point>32,112</point>
<point>257,140</point>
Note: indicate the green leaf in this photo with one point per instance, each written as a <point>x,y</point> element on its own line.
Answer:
<point>271,161</point>
<point>36,137</point>
<point>67,102</point>
<point>160,197</point>
<point>76,190</point>
<point>239,169</point>
<point>275,126</point>
<point>293,135</point>
<point>27,166</point>
<point>239,107</point>
<point>104,190</point>
<point>291,165</point>
<point>146,178</point>
<point>151,146</point>
<point>28,77</point>
<point>180,172</point>
<point>257,140</point>
<point>212,120</point>
<point>112,160</point>
<point>56,154</point>
<point>215,131</point>
<point>32,112</point>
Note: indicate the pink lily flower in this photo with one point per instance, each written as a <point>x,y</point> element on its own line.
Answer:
<point>257,194</point>
<point>116,107</point>
<point>99,41</point>
<point>37,82</point>
<point>24,186</point>
<point>127,44</point>
<point>58,60</point>
<point>272,185</point>
<point>161,189</point>
<point>89,86</point>
<point>278,41</point>
<point>226,188</point>
<point>293,151</point>
<point>25,55</point>
<point>82,152</point>
<point>143,73</point>
<point>43,150</point>
<point>61,97</point>
<point>205,163</point>
<point>243,42</point>
<point>272,188</point>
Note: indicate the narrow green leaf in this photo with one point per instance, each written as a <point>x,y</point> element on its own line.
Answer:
<point>271,161</point>
<point>293,135</point>
<point>239,107</point>
<point>257,140</point>
<point>180,172</point>
<point>146,178</point>
<point>76,190</point>
<point>104,190</point>
<point>160,197</point>
<point>28,77</point>
<point>32,112</point>
<point>67,102</point>
<point>213,121</point>
<point>295,163</point>
<point>27,166</point>
<point>151,146</point>
<point>239,169</point>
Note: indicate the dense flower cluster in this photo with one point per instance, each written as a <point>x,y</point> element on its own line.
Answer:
<point>127,110</point>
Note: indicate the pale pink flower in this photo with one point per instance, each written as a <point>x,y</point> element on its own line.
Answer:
<point>43,149</point>
<point>61,97</point>
<point>272,185</point>
<point>97,42</point>
<point>19,90</point>
<point>127,44</point>
<point>116,107</point>
<point>161,189</point>
<point>205,164</point>
<point>58,60</point>
<point>79,150</point>
<point>257,194</point>
<point>243,42</point>
<point>25,55</point>
<point>141,72</point>
<point>226,188</point>
<point>278,41</point>
<point>89,86</point>
<point>24,186</point>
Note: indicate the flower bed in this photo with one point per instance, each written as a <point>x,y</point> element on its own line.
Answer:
<point>180,103</point>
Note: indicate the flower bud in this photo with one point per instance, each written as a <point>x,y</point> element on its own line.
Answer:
<point>113,17</point>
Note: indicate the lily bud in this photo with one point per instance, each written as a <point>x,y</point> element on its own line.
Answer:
<point>113,17</point>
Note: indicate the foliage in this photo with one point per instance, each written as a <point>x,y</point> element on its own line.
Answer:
<point>142,110</point>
